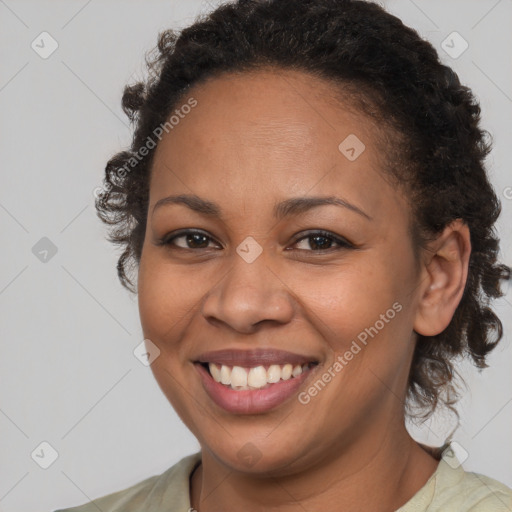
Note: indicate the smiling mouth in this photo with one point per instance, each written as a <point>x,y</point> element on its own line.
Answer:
<point>239,378</point>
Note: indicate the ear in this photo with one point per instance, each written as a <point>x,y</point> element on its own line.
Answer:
<point>444,273</point>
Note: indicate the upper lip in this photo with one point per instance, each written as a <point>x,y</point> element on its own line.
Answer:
<point>254,357</point>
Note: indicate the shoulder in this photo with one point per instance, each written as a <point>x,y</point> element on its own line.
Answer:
<point>475,493</point>
<point>170,488</point>
<point>463,491</point>
<point>452,489</point>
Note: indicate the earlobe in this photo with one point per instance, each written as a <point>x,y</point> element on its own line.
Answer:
<point>444,276</point>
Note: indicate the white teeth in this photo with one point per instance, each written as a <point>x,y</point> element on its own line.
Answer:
<point>286,372</point>
<point>273,373</point>
<point>240,378</point>
<point>215,371</point>
<point>225,375</point>
<point>257,377</point>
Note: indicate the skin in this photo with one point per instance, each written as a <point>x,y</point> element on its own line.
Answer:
<point>255,139</point>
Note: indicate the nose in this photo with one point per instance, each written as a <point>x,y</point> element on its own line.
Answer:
<point>248,296</point>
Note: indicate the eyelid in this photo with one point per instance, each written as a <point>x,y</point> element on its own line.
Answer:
<point>339,240</point>
<point>167,239</point>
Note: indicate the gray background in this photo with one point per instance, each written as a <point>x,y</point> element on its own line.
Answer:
<point>68,328</point>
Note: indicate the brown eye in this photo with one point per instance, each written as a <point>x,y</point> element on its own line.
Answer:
<point>194,241</point>
<point>321,241</point>
<point>189,240</point>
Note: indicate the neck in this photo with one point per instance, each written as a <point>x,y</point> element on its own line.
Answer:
<point>380,475</point>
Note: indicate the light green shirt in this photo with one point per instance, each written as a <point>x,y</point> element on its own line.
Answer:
<point>449,489</point>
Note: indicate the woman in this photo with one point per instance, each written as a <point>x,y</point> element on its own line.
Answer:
<point>307,210</point>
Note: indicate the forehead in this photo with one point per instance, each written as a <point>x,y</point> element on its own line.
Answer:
<point>276,104</point>
<point>270,131</point>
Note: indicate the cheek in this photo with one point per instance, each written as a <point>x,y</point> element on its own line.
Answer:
<point>166,301</point>
<point>167,296</point>
<point>362,313</point>
<point>348,299</point>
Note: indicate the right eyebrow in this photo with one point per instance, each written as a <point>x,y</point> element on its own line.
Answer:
<point>286,208</point>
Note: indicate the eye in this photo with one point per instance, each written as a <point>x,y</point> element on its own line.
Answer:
<point>194,239</point>
<point>190,239</point>
<point>321,241</point>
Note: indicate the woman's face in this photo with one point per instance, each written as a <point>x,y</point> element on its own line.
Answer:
<point>257,286</point>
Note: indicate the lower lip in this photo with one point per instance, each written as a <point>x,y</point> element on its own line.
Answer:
<point>251,401</point>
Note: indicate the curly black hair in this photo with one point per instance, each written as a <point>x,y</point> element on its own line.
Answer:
<point>391,75</point>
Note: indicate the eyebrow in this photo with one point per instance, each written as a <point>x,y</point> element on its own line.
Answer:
<point>286,208</point>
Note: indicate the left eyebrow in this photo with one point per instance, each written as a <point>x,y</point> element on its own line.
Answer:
<point>286,208</point>
<point>298,205</point>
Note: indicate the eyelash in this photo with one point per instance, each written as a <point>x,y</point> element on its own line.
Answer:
<point>343,244</point>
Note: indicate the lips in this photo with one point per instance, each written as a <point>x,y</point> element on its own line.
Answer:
<point>242,398</point>
<point>255,357</point>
